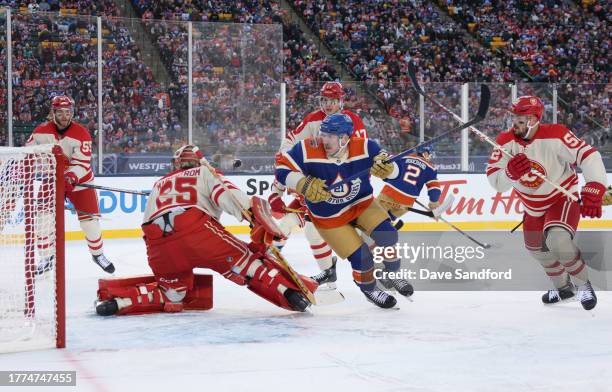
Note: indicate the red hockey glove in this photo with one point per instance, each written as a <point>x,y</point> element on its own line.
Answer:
<point>276,203</point>
<point>592,197</point>
<point>259,235</point>
<point>70,181</point>
<point>517,166</point>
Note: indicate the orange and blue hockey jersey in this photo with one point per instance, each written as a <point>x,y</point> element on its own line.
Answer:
<point>308,158</point>
<point>409,176</point>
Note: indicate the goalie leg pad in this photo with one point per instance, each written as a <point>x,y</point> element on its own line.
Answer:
<point>133,297</point>
<point>142,294</point>
<point>269,280</point>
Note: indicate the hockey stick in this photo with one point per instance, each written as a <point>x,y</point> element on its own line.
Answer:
<point>483,107</point>
<point>89,214</point>
<point>480,134</point>
<point>517,226</point>
<point>108,188</point>
<point>483,244</point>
<point>279,258</point>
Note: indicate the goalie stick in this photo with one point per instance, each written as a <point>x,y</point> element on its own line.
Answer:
<point>279,258</point>
<point>108,188</point>
<point>483,107</point>
<point>480,134</point>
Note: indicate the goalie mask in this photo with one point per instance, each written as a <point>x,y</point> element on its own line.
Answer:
<point>62,111</point>
<point>187,157</point>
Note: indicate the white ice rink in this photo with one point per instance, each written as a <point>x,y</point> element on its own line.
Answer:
<point>443,341</point>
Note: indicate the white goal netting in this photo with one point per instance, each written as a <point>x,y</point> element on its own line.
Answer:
<point>29,256</point>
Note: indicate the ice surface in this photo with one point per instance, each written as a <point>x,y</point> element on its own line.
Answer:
<point>443,341</point>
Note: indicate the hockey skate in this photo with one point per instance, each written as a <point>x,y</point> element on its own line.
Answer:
<point>402,286</point>
<point>380,298</point>
<point>297,300</point>
<point>326,279</point>
<point>46,264</point>
<point>104,263</point>
<point>586,296</point>
<point>558,295</point>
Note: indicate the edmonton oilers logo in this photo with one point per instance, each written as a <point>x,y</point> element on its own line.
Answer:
<point>530,180</point>
<point>344,193</point>
<point>339,191</point>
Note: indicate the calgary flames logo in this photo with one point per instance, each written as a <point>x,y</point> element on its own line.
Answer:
<point>530,180</point>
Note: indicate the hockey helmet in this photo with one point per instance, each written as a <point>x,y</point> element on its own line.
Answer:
<point>332,90</point>
<point>528,105</point>
<point>337,124</point>
<point>62,102</point>
<point>187,157</point>
<point>428,148</point>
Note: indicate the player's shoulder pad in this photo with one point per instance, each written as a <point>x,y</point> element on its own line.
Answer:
<point>419,162</point>
<point>46,127</point>
<point>505,137</point>
<point>79,132</point>
<point>551,131</point>
<point>317,115</point>
<point>371,145</point>
<point>357,121</point>
<point>310,150</point>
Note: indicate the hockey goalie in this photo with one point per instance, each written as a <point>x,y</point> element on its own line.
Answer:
<point>182,232</point>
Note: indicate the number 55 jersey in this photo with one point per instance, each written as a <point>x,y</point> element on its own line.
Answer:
<point>195,187</point>
<point>554,151</point>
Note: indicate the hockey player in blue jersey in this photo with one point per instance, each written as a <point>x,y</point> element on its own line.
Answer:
<point>312,166</point>
<point>410,174</point>
<point>402,187</point>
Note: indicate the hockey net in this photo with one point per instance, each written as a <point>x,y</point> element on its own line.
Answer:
<point>32,314</point>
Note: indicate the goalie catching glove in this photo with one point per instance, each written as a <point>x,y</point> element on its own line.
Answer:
<point>313,189</point>
<point>381,169</point>
<point>264,229</point>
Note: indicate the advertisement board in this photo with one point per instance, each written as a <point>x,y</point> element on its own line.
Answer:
<point>476,206</point>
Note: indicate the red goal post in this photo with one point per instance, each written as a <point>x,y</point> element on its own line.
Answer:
<point>32,262</point>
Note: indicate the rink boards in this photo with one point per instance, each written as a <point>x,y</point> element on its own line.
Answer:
<point>477,206</point>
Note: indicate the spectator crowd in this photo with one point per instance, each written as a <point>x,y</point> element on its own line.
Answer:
<point>237,68</point>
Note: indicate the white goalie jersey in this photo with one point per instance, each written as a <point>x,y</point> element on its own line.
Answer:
<point>195,187</point>
<point>553,151</point>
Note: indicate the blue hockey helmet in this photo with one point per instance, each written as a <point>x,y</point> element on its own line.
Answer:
<point>337,124</point>
<point>428,148</point>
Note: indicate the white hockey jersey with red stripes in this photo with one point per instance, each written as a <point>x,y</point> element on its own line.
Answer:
<point>311,125</point>
<point>75,142</point>
<point>553,151</point>
<point>196,187</point>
